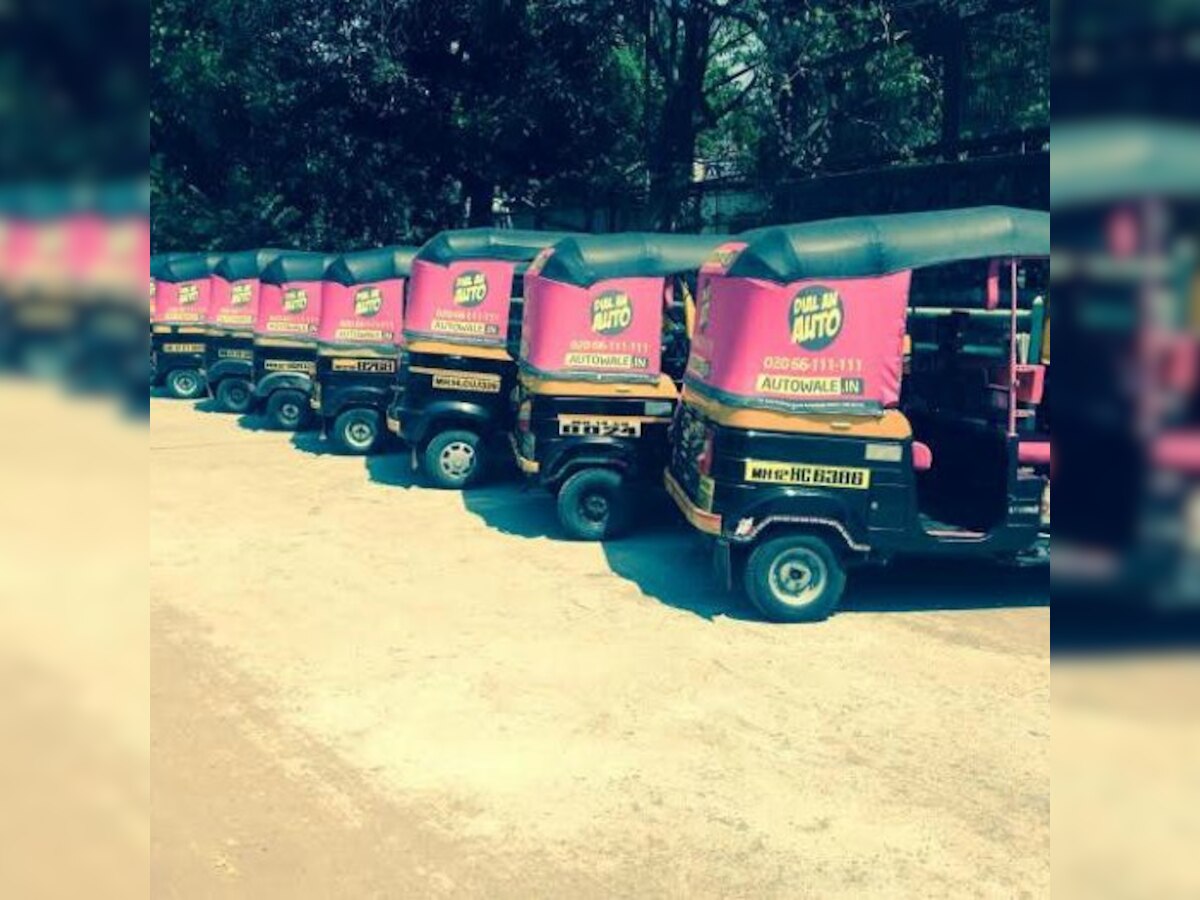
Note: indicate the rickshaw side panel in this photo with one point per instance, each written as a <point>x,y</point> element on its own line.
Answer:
<point>436,388</point>
<point>627,434</point>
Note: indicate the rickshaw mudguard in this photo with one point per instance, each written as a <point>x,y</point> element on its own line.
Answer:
<point>278,381</point>
<point>796,508</point>
<point>335,399</point>
<point>567,457</point>
<point>417,423</point>
<point>229,368</point>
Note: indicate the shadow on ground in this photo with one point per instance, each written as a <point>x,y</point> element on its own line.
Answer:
<point>1091,629</point>
<point>673,565</point>
<point>392,467</point>
<point>209,407</point>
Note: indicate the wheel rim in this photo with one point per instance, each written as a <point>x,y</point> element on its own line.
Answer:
<point>185,383</point>
<point>360,434</point>
<point>798,577</point>
<point>289,413</point>
<point>457,459</point>
<point>594,508</point>
<point>236,396</point>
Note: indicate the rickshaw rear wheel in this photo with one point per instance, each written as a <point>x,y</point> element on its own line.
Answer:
<point>234,395</point>
<point>356,431</point>
<point>795,578</point>
<point>593,505</point>
<point>454,459</point>
<point>185,384</point>
<point>287,410</point>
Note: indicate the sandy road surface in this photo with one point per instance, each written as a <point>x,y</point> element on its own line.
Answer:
<point>364,688</point>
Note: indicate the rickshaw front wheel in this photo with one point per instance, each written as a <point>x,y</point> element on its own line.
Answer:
<point>287,410</point>
<point>593,505</point>
<point>234,395</point>
<point>795,578</point>
<point>356,431</point>
<point>454,459</point>
<point>185,384</point>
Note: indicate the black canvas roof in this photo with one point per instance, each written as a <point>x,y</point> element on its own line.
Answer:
<point>487,243</point>
<point>297,265</point>
<point>879,245</point>
<point>1099,162</point>
<point>188,266</point>
<point>372,265</point>
<point>246,263</point>
<point>586,259</point>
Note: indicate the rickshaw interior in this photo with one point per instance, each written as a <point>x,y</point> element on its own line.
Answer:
<point>965,319</point>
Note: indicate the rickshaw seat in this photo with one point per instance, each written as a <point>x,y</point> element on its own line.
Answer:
<point>1034,453</point>
<point>922,457</point>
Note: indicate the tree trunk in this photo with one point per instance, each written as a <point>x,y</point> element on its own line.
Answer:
<point>673,152</point>
<point>480,195</point>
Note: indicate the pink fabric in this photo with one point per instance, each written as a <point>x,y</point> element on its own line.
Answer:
<point>1034,453</point>
<point>233,304</point>
<point>922,457</point>
<point>292,309</point>
<point>362,313</point>
<point>612,328</point>
<point>18,247</point>
<point>1031,383</point>
<point>1178,452</point>
<point>182,303</point>
<point>804,346</point>
<point>465,302</point>
<point>87,238</point>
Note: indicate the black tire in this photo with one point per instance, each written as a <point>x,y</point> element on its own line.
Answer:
<point>593,504</point>
<point>234,395</point>
<point>288,410</point>
<point>185,384</point>
<point>356,432</point>
<point>795,578</point>
<point>454,459</point>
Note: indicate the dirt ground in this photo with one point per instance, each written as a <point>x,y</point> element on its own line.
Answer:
<point>362,688</point>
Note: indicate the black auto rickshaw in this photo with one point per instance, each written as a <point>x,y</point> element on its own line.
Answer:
<point>603,345</point>
<point>37,308</point>
<point>232,312</point>
<point>1125,196</point>
<point>794,447</point>
<point>458,369</point>
<point>285,337</point>
<point>182,288</point>
<point>360,336</point>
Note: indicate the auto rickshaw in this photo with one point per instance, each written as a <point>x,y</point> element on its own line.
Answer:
<point>359,337</point>
<point>458,369</point>
<point>285,337</point>
<point>596,395</point>
<point>1125,196</point>
<point>181,293</point>
<point>40,308</point>
<point>232,312</point>
<point>794,447</point>
<point>109,258</point>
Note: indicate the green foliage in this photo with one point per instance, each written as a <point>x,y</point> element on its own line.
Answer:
<point>332,124</point>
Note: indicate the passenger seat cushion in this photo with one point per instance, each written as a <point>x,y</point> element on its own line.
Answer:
<point>1034,453</point>
<point>922,457</point>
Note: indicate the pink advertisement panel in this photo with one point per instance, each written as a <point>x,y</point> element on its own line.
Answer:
<point>808,346</point>
<point>362,313</point>
<point>20,246</point>
<point>181,303</point>
<point>233,304</point>
<point>289,310</point>
<point>611,330</point>
<point>464,302</point>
